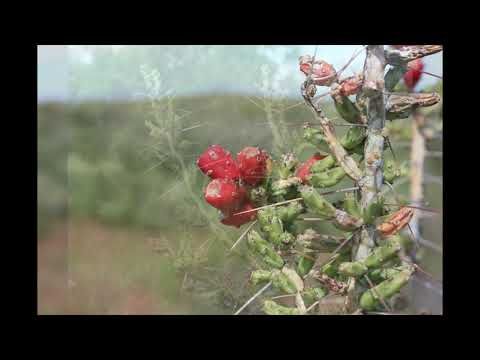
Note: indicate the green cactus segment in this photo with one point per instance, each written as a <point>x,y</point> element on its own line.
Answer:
<point>287,165</point>
<point>259,276</point>
<point>317,203</point>
<point>263,248</point>
<point>370,299</point>
<point>327,178</point>
<point>353,137</point>
<point>274,230</point>
<point>379,275</point>
<point>304,265</point>
<point>286,238</point>
<point>322,165</point>
<point>353,269</point>
<point>347,109</point>
<point>405,242</point>
<point>373,210</point>
<point>293,228</point>
<point>264,216</point>
<point>313,294</point>
<point>290,212</point>
<point>271,225</point>
<point>359,149</point>
<point>393,76</point>
<point>281,282</point>
<point>391,170</point>
<point>272,308</point>
<point>351,205</point>
<point>331,269</point>
<point>285,188</point>
<point>259,196</point>
<point>316,138</point>
<point>381,254</point>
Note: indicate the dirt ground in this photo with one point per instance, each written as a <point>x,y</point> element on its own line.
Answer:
<point>89,268</point>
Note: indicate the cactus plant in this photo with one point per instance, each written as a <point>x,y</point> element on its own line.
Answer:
<point>365,268</point>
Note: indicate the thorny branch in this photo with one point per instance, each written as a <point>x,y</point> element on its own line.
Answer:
<point>409,53</point>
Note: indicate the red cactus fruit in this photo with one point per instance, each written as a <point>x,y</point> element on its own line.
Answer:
<point>224,194</point>
<point>303,171</point>
<point>218,163</point>
<point>413,75</point>
<point>240,219</point>
<point>322,73</point>
<point>350,86</point>
<point>252,163</point>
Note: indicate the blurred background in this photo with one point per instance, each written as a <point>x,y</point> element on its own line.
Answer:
<point>122,225</point>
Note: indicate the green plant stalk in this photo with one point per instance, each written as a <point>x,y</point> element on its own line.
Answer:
<point>370,299</point>
<point>272,308</point>
<point>352,269</point>
<point>328,178</point>
<point>290,212</point>
<point>263,248</point>
<point>316,138</point>
<point>281,282</point>
<point>380,255</point>
<point>314,294</point>
<point>317,203</point>
<point>304,265</point>
<point>353,137</point>
<point>287,165</point>
<point>322,165</point>
<point>373,210</point>
<point>259,276</point>
<point>393,76</point>
<point>377,258</point>
<point>347,109</point>
<point>379,275</point>
<point>351,205</point>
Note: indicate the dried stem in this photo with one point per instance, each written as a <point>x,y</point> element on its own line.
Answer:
<point>346,161</point>
<point>417,159</point>
<point>371,182</point>
<point>409,53</point>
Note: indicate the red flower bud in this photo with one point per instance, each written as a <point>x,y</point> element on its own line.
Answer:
<point>224,194</point>
<point>252,163</point>
<point>240,219</point>
<point>323,73</point>
<point>303,171</point>
<point>413,75</point>
<point>218,163</point>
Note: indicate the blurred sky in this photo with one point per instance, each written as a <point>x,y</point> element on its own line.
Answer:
<point>54,68</point>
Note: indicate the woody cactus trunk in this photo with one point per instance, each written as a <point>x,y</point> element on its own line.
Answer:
<point>366,266</point>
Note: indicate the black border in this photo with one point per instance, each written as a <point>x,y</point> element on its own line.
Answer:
<point>31,53</point>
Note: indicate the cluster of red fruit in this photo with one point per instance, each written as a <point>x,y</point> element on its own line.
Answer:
<point>231,180</point>
<point>414,73</point>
